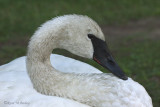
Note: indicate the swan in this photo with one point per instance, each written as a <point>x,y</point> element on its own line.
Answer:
<point>41,82</point>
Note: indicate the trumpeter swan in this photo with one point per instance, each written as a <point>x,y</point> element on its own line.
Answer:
<point>81,36</point>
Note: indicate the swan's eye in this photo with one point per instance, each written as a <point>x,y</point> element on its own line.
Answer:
<point>91,36</point>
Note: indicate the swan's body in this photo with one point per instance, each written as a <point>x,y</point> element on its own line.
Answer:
<point>15,85</point>
<point>94,89</point>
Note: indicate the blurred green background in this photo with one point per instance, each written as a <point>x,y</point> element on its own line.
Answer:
<point>132,29</point>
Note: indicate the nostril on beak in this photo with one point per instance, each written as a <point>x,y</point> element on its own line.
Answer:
<point>111,62</point>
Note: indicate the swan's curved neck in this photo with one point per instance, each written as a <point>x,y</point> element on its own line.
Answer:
<point>41,46</point>
<point>39,51</point>
<point>39,67</point>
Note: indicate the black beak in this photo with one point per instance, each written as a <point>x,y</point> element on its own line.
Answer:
<point>104,58</point>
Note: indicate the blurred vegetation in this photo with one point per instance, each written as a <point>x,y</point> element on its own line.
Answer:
<point>139,59</point>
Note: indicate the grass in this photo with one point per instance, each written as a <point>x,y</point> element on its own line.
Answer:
<point>138,58</point>
<point>21,17</point>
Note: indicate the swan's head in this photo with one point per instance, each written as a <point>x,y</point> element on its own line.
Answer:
<point>82,36</point>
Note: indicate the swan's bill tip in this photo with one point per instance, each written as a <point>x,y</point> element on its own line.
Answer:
<point>124,78</point>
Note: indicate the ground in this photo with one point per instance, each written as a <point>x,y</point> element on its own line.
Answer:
<point>132,30</point>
